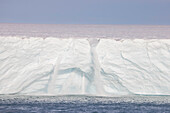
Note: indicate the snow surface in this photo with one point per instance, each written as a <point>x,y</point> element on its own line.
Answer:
<point>86,31</point>
<point>91,66</point>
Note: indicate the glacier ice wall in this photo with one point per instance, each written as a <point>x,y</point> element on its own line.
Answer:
<point>54,66</point>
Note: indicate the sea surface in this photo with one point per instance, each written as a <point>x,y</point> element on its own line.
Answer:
<point>84,104</point>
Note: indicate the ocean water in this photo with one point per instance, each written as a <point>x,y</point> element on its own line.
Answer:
<point>84,104</point>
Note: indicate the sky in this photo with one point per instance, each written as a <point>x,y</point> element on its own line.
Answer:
<point>145,12</point>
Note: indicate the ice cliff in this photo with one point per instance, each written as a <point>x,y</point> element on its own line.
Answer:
<point>53,66</point>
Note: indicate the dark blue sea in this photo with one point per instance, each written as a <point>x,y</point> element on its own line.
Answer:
<point>84,104</point>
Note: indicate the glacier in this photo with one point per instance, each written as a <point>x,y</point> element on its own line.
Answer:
<point>87,66</point>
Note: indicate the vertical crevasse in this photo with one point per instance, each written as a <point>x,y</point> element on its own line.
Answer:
<point>96,66</point>
<point>53,77</point>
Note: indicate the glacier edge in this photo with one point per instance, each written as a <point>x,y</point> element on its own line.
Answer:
<point>107,67</point>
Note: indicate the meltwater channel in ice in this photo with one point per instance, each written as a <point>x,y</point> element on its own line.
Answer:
<point>86,65</point>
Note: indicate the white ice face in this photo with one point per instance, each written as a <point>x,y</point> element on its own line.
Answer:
<point>55,66</point>
<point>128,61</point>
